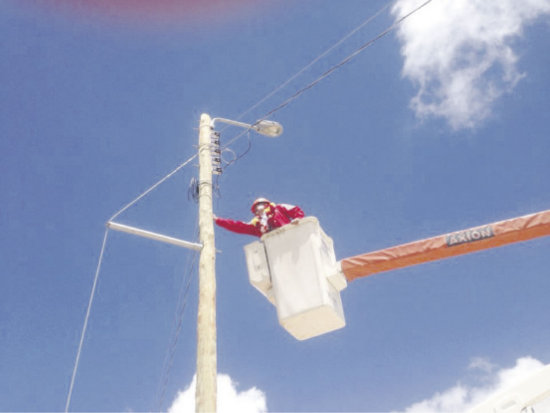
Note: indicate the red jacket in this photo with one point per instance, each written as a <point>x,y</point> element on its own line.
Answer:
<point>275,216</point>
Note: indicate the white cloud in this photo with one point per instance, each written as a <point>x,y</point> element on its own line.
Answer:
<point>460,398</point>
<point>459,54</point>
<point>228,400</point>
<point>480,363</point>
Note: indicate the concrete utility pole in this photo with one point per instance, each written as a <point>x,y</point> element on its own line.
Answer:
<point>205,394</point>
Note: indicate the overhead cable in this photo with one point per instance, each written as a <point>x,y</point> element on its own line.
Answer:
<point>345,61</point>
<point>332,69</point>
<point>303,69</point>
<point>85,326</point>
<point>326,52</point>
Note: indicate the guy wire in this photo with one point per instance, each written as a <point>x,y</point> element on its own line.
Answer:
<point>86,318</point>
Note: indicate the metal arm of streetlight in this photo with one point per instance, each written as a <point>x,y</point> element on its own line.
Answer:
<point>264,127</point>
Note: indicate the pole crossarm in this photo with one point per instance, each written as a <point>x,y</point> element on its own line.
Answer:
<point>448,245</point>
<point>154,236</point>
<point>231,122</point>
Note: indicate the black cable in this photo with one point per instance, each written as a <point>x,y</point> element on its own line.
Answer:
<point>343,62</point>
<point>238,157</point>
<point>335,67</point>
<point>193,190</point>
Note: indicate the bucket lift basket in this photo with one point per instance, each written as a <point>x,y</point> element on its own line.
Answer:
<point>295,268</point>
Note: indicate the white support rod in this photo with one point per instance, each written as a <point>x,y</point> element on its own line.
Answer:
<point>231,122</point>
<point>154,236</point>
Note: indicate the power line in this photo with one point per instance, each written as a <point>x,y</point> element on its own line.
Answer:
<point>303,69</point>
<point>323,54</point>
<point>310,85</point>
<point>345,61</point>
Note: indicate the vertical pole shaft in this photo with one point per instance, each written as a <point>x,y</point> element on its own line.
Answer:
<point>205,395</point>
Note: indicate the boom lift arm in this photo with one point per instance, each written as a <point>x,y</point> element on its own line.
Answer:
<point>448,245</point>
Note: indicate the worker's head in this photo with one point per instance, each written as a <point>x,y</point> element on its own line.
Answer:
<point>259,205</point>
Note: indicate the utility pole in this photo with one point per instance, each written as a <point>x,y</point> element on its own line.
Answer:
<point>206,388</point>
<point>205,394</point>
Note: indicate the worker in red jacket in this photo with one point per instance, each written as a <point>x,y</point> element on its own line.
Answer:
<point>267,216</point>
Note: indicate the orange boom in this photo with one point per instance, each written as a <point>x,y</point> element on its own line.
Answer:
<point>448,245</point>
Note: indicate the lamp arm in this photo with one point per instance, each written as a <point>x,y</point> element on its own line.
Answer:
<point>231,122</point>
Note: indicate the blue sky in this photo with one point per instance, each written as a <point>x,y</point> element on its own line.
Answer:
<point>439,126</point>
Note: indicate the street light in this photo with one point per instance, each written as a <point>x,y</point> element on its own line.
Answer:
<point>265,127</point>
<point>205,392</point>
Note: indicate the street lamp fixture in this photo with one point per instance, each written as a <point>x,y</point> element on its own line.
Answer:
<point>265,127</point>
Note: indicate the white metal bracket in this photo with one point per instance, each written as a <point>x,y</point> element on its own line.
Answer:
<point>154,236</point>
